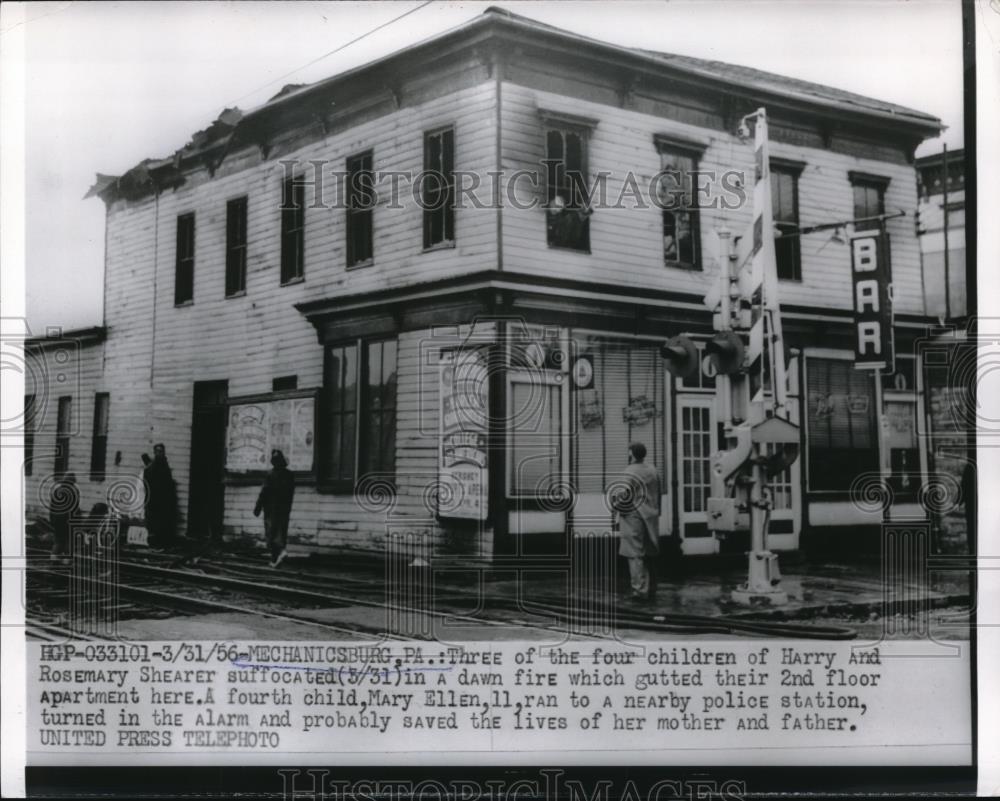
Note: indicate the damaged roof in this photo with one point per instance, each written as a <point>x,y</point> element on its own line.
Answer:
<point>211,144</point>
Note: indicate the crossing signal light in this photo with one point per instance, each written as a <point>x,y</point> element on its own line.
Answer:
<point>681,355</point>
<point>726,352</point>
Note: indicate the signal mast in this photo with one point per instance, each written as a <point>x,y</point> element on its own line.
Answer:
<point>751,392</point>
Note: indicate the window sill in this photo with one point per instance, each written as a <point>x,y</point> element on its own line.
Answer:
<point>299,279</point>
<point>682,265</point>
<point>568,248</point>
<point>448,245</point>
<point>361,265</point>
<point>184,304</point>
<point>241,294</point>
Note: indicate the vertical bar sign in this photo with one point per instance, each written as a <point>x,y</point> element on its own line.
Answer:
<point>873,340</point>
<point>463,456</point>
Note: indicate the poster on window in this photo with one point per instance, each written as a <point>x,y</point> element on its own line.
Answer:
<point>256,427</point>
<point>463,466</point>
<point>873,343</point>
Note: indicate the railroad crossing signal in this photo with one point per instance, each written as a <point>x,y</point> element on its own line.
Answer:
<point>682,356</point>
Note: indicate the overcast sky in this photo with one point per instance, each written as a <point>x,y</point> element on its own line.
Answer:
<point>109,84</point>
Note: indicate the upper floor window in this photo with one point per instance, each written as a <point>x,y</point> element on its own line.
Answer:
<point>30,410</point>
<point>361,411</point>
<point>869,199</point>
<point>64,430</point>
<point>785,209</point>
<point>184,268</point>
<point>236,246</point>
<point>99,440</point>
<point>439,187</point>
<point>360,209</point>
<point>568,210</point>
<point>677,193</point>
<point>293,230</point>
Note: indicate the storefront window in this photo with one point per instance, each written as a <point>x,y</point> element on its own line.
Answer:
<point>840,439</point>
<point>618,399</point>
<point>899,441</point>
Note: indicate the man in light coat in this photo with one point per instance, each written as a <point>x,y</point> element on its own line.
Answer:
<point>638,505</point>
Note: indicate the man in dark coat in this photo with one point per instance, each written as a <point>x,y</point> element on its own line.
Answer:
<point>64,507</point>
<point>275,500</point>
<point>639,515</point>
<point>161,500</point>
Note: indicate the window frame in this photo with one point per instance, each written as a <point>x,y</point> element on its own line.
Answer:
<point>863,180</point>
<point>293,230</point>
<point>809,364</point>
<point>793,169</point>
<point>99,437</point>
<point>63,434</point>
<point>341,483</point>
<point>575,180</point>
<point>30,427</point>
<point>184,261</point>
<point>236,251</point>
<point>354,216</point>
<point>444,188</point>
<point>666,144</point>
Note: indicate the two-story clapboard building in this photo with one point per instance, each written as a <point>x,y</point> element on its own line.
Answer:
<point>472,367</point>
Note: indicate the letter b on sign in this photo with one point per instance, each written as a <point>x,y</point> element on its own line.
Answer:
<point>865,255</point>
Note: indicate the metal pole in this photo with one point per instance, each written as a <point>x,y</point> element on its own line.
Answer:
<point>947,276</point>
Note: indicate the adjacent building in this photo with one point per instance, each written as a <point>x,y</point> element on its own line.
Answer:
<point>467,371</point>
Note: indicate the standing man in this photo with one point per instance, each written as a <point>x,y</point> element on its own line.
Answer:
<point>275,500</point>
<point>161,500</point>
<point>638,506</point>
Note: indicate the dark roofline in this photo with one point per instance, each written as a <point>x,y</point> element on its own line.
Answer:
<point>500,22</point>
<point>933,159</point>
<point>80,336</point>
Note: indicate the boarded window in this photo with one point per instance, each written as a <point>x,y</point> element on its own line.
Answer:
<point>785,208</point>
<point>676,187</point>
<point>64,427</point>
<point>360,209</point>
<point>439,187</point>
<point>236,246</point>
<point>99,441</point>
<point>841,436</point>
<point>184,268</point>
<point>568,215</point>
<point>293,230</point>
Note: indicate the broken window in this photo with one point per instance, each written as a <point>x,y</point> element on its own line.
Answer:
<point>680,214</point>
<point>785,210</point>
<point>568,211</point>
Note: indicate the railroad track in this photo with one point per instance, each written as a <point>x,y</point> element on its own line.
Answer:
<point>246,579</point>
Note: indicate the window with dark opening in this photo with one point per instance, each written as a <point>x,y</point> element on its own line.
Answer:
<point>293,230</point>
<point>285,383</point>
<point>439,187</point>
<point>841,439</point>
<point>184,270</point>
<point>677,195</point>
<point>567,212</point>
<point>236,246</point>
<point>360,209</point>
<point>64,427</point>
<point>30,410</point>
<point>785,209</point>
<point>361,411</point>
<point>99,441</point>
